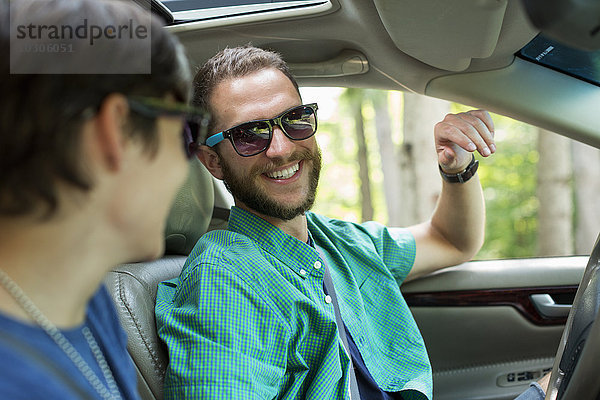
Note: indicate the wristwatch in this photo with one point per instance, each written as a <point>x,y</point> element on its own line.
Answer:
<point>462,176</point>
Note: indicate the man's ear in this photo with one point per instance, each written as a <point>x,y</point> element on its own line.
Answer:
<point>211,160</point>
<point>109,126</point>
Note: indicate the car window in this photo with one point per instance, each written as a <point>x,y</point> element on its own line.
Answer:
<point>233,10</point>
<point>186,5</point>
<point>521,200</point>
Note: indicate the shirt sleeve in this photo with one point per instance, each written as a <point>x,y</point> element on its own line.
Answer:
<point>396,247</point>
<point>224,340</point>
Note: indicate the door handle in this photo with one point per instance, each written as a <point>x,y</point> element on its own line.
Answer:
<point>548,308</point>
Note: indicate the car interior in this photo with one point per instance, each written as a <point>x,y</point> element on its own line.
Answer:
<point>492,326</point>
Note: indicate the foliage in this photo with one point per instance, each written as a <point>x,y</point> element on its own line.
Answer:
<point>508,177</point>
<point>509,181</point>
<point>338,195</point>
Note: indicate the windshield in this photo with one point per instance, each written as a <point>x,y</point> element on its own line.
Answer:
<point>580,64</point>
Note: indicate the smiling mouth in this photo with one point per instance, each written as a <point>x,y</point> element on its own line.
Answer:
<point>284,173</point>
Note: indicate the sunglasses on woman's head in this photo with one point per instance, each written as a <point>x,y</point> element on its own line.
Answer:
<point>254,137</point>
<point>195,120</point>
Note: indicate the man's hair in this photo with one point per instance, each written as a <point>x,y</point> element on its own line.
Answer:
<point>233,63</point>
<point>41,115</point>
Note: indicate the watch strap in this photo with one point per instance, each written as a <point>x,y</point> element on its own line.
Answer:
<point>462,176</point>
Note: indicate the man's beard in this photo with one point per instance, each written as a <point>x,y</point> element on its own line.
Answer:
<point>244,189</point>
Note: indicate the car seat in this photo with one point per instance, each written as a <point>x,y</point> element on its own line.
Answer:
<point>201,204</point>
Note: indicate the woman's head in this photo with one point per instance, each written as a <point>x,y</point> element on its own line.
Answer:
<point>42,115</point>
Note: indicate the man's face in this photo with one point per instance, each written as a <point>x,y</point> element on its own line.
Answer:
<point>280,182</point>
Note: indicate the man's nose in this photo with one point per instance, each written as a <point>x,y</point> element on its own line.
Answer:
<point>281,146</point>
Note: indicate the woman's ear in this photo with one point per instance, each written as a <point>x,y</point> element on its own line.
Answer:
<point>211,160</point>
<point>109,127</point>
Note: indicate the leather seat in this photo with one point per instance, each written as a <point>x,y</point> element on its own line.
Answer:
<point>133,289</point>
<point>133,286</point>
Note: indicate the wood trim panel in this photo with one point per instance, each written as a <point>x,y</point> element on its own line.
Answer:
<point>514,297</point>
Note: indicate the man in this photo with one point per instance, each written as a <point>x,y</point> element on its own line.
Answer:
<point>89,165</point>
<point>253,314</point>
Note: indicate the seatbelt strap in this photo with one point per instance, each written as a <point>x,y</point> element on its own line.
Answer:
<point>328,282</point>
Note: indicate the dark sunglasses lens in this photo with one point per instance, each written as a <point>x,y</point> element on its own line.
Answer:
<point>300,123</point>
<point>251,138</point>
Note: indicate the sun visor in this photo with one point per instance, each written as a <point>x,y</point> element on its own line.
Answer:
<point>444,34</point>
<point>574,22</point>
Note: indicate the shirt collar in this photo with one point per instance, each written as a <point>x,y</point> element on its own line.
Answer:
<point>295,253</point>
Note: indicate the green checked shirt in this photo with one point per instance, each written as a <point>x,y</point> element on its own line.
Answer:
<point>248,317</point>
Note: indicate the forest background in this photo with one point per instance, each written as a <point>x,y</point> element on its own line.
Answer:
<point>379,163</point>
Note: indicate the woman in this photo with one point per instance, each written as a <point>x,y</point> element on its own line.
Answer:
<point>90,159</point>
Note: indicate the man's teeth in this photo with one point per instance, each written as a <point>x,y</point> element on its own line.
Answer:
<point>284,174</point>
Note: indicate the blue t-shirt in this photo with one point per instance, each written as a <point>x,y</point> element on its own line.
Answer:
<point>34,367</point>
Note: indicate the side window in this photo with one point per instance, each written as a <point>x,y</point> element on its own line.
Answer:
<point>379,163</point>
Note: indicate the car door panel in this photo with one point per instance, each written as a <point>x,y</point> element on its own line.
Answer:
<point>485,337</point>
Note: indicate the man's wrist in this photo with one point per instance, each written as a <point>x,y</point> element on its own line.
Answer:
<point>462,176</point>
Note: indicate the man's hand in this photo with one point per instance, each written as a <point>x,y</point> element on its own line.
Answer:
<point>459,135</point>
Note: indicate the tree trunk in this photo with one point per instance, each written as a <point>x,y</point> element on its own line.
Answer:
<point>421,182</point>
<point>390,164</point>
<point>555,195</point>
<point>586,174</point>
<point>363,161</point>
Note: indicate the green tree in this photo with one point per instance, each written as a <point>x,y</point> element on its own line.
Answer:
<point>355,99</point>
<point>509,186</point>
<point>508,177</point>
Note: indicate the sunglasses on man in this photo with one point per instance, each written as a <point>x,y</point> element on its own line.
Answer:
<point>254,137</point>
<point>195,120</point>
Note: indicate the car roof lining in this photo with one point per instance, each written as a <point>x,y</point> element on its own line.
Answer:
<point>317,39</point>
<point>312,42</point>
